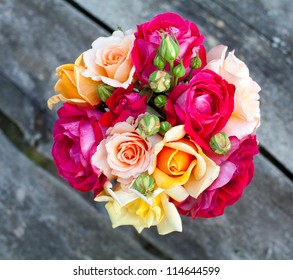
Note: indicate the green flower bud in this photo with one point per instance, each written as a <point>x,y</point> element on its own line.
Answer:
<point>104,91</point>
<point>169,49</point>
<point>164,127</point>
<point>144,184</point>
<point>179,70</point>
<point>160,81</point>
<point>220,143</point>
<point>149,125</point>
<point>159,62</point>
<point>195,62</point>
<point>160,101</point>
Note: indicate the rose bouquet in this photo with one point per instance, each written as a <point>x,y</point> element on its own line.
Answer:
<point>156,127</point>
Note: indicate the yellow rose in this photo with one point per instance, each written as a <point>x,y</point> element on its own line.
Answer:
<point>181,167</point>
<point>133,208</point>
<point>73,87</point>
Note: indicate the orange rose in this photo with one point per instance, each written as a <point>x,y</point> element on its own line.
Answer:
<point>181,167</point>
<point>73,87</point>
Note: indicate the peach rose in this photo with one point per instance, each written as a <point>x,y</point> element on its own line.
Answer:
<point>246,116</point>
<point>125,153</point>
<point>132,208</point>
<point>73,87</point>
<point>181,167</point>
<point>109,59</point>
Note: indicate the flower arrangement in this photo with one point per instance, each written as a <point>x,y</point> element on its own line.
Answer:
<point>156,127</point>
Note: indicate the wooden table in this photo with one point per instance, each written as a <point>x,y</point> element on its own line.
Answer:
<point>42,218</point>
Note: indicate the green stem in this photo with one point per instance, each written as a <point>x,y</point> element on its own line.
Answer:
<point>171,71</point>
<point>176,82</point>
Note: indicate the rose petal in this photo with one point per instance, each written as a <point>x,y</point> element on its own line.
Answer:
<point>178,193</point>
<point>171,220</point>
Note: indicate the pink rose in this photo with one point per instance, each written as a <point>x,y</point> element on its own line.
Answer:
<point>123,104</point>
<point>236,172</point>
<point>77,134</point>
<point>109,59</point>
<point>124,154</point>
<point>204,105</point>
<point>148,40</point>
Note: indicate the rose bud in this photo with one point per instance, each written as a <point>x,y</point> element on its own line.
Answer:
<point>164,127</point>
<point>179,70</point>
<point>145,184</point>
<point>160,81</point>
<point>169,49</point>
<point>104,91</point>
<point>220,143</point>
<point>149,125</point>
<point>195,62</point>
<point>159,62</point>
<point>160,101</point>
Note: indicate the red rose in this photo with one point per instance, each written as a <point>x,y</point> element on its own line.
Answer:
<point>204,105</point>
<point>148,41</point>
<point>236,173</point>
<point>122,104</point>
<point>77,134</point>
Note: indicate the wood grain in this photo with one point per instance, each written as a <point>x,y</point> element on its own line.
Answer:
<point>42,218</point>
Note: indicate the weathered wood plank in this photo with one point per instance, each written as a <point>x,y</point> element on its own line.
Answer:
<point>259,226</point>
<point>269,67</point>
<point>41,218</point>
<point>35,38</point>
<point>268,17</point>
<point>13,103</point>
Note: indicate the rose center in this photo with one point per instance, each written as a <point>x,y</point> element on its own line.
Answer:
<point>173,162</point>
<point>129,154</point>
<point>204,105</point>
<point>113,56</point>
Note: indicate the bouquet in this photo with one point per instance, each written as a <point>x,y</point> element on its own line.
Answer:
<point>155,127</point>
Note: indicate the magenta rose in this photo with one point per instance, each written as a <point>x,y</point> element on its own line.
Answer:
<point>236,172</point>
<point>77,134</point>
<point>204,106</point>
<point>122,104</point>
<point>147,41</point>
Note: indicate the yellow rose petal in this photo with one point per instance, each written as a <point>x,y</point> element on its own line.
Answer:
<point>171,220</point>
<point>196,186</point>
<point>178,193</point>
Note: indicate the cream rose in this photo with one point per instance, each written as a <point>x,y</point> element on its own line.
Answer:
<point>109,59</point>
<point>125,153</point>
<point>246,115</point>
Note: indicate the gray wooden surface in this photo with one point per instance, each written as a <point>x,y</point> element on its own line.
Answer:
<point>42,218</point>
